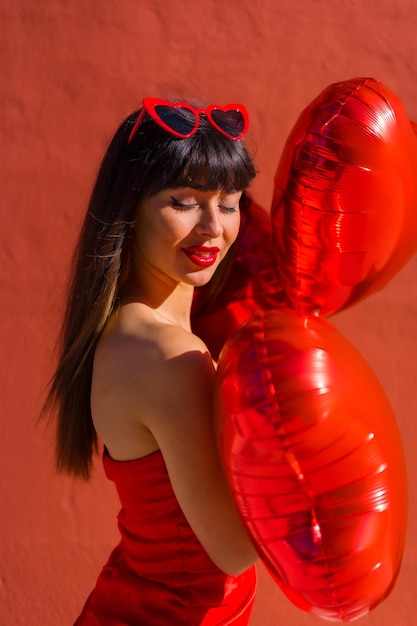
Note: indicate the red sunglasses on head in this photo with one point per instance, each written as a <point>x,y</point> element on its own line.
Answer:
<point>231,120</point>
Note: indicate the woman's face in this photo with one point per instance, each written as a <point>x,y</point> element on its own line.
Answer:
<point>182,234</point>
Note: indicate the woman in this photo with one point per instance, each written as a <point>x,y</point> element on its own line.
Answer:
<point>163,217</point>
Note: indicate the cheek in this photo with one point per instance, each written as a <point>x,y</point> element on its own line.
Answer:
<point>231,229</point>
<point>176,228</point>
<point>162,232</point>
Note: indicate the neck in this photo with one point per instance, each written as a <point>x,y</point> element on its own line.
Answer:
<point>173,306</point>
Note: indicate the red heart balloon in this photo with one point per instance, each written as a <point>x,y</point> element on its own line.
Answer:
<point>314,458</point>
<point>345,202</point>
<point>252,283</point>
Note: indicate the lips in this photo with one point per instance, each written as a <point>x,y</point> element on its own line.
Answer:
<point>202,256</point>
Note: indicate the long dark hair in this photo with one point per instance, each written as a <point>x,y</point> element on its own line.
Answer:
<point>154,160</point>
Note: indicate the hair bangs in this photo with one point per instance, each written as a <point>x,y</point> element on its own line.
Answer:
<point>225,166</point>
<point>207,159</point>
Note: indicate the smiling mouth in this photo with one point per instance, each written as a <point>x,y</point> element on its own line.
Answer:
<point>201,255</point>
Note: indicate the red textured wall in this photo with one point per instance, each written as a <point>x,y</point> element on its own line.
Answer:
<point>70,71</point>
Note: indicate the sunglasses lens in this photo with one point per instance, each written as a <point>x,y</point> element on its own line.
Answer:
<point>231,122</point>
<point>180,120</point>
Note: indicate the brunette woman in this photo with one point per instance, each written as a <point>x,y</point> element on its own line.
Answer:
<point>162,220</point>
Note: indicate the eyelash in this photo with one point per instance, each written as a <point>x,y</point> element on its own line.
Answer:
<point>179,206</point>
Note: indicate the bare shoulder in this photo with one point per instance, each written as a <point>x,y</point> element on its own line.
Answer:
<point>141,345</point>
<point>140,363</point>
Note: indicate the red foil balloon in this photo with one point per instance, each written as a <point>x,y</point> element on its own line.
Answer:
<point>252,283</point>
<point>315,461</point>
<point>345,202</point>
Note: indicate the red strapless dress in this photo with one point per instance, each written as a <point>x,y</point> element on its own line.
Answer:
<point>159,574</point>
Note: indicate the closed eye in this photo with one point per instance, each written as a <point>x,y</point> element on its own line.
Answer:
<point>180,206</point>
<point>227,209</point>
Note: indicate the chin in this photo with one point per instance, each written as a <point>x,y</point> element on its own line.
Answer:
<point>200,282</point>
<point>201,278</point>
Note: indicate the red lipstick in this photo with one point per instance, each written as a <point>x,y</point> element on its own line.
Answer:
<point>202,256</point>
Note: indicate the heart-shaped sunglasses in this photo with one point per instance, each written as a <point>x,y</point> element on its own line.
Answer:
<point>231,120</point>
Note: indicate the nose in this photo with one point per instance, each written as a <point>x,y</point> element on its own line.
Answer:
<point>209,223</point>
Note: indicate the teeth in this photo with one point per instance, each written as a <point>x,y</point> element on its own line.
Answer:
<point>203,253</point>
